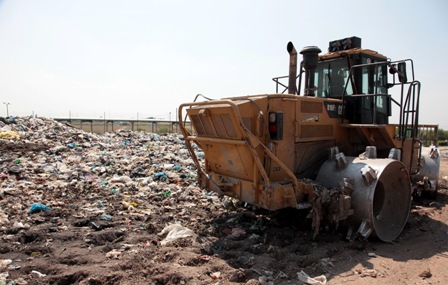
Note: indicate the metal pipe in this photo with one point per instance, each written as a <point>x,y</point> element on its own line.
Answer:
<point>292,89</point>
<point>309,63</point>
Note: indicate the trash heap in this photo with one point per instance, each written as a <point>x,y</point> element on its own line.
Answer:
<point>51,163</point>
<point>53,173</point>
<point>125,208</point>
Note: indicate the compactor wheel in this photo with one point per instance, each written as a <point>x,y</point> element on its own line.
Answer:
<point>381,194</point>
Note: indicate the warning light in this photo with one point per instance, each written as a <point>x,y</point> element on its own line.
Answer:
<point>276,125</point>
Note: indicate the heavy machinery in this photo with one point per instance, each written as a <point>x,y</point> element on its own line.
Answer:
<point>330,150</point>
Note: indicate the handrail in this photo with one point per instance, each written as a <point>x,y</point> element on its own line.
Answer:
<point>277,82</point>
<point>411,106</point>
<point>376,95</point>
<point>275,79</point>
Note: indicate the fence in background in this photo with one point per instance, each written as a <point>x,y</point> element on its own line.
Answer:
<point>426,133</point>
<point>101,126</point>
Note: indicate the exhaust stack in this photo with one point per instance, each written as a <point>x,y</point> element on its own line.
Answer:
<point>292,88</point>
<point>309,63</point>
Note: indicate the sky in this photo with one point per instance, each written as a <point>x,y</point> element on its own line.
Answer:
<point>143,58</point>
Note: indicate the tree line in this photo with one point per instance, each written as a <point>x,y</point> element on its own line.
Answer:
<point>443,137</point>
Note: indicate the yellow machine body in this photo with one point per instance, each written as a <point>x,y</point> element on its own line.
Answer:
<point>242,160</point>
<point>286,151</point>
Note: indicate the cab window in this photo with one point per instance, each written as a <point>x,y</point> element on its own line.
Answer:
<point>331,78</point>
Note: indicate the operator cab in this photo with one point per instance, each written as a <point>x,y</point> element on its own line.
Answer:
<point>361,79</point>
<point>363,88</point>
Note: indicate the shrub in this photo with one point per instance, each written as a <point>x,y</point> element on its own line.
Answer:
<point>163,131</point>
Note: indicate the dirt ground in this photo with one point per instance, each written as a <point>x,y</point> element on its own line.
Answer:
<point>76,243</point>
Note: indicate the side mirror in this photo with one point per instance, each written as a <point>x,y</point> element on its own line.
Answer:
<point>402,77</point>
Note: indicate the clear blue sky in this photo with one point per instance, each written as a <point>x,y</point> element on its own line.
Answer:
<point>91,57</point>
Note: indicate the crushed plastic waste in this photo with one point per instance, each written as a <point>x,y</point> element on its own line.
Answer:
<point>364,272</point>
<point>160,176</point>
<point>106,217</point>
<point>71,145</point>
<point>215,275</point>
<point>108,187</point>
<point>38,207</point>
<point>9,135</point>
<point>38,274</point>
<point>14,267</point>
<point>4,263</point>
<point>3,277</point>
<point>114,254</point>
<point>52,157</point>
<point>305,278</point>
<point>173,232</point>
<point>121,179</point>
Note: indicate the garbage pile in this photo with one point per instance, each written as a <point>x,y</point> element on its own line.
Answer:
<point>49,163</point>
<point>56,175</point>
<point>125,208</point>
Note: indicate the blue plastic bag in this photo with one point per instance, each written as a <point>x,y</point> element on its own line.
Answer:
<point>106,217</point>
<point>71,145</point>
<point>37,207</point>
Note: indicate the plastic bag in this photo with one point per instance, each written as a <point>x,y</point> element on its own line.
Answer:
<point>173,232</point>
<point>37,207</point>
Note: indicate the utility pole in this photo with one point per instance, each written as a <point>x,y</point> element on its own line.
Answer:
<point>7,110</point>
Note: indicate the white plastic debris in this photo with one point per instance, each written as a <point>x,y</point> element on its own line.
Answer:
<point>114,254</point>
<point>121,179</point>
<point>19,225</point>
<point>173,232</point>
<point>4,276</point>
<point>38,274</point>
<point>305,278</point>
<point>4,263</point>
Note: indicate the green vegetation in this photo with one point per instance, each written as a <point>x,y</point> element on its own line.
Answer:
<point>443,137</point>
<point>161,131</point>
<point>443,134</point>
